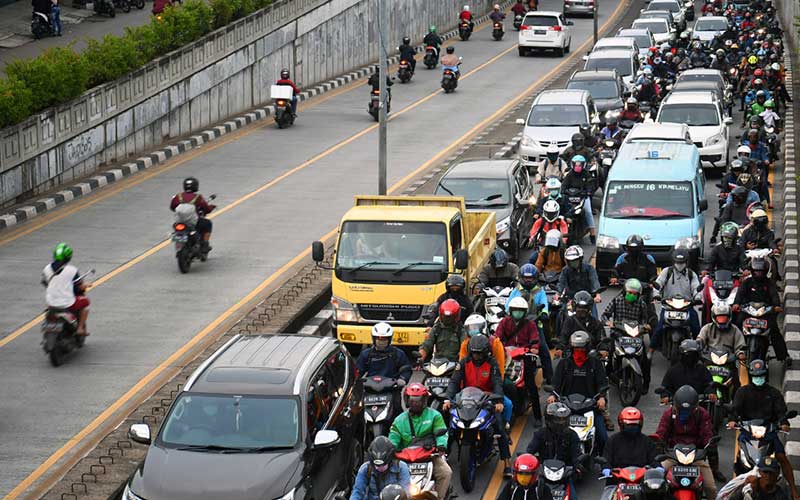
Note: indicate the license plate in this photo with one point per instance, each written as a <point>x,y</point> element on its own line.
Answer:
<point>677,315</point>
<point>630,489</point>
<point>685,471</point>
<point>376,399</point>
<point>417,469</point>
<point>401,337</point>
<point>577,421</point>
<point>539,32</point>
<point>756,323</point>
<point>180,238</point>
<point>437,382</point>
<point>51,327</point>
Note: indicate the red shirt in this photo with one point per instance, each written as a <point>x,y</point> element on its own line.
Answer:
<point>200,205</point>
<point>697,429</point>
<point>526,336</point>
<point>541,225</point>
<point>465,15</point>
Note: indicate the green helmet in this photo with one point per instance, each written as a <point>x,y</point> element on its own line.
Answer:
<point>633,285</point>
<point>769,104</point>
<point>62,253</point>
<point>432,28</point>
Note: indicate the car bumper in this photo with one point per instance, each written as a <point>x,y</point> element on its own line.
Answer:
<point>606,258</point>
<point>530,156</point>
<point>351,333</point>
<point>543,43</point>
<point>713,156</point>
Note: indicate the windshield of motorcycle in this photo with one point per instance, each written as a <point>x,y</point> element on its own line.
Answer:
<point>555,115</point>
<point>392,252</point>
<point>599,89</point>
<point>477,192</point>
<point>693,115</point>
<point>648,200</point>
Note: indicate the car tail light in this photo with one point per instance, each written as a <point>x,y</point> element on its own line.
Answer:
<point>523,27</point>
<point>554,28</point>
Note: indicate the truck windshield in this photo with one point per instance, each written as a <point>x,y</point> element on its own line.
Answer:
<point>649,200</point>
<point>392,251</point>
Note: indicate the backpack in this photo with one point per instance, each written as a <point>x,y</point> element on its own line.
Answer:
<point>186,212</point>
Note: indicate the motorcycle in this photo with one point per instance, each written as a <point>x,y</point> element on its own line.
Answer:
<point>139,4</point>
<point>123,5</point>
<point>556,478</point>
<point>514,376</point>
<point>497,31</point>
<point>626,362</point>
<point>419,456</point>
<point>549,282</point>
<point>722,289</point>
<point>375,104</point>
<point>282,106</point>
<point>685,480</point>
<point>494,305</point>
<point>581,421</point>
<point>518,22</point>
<point>464,30</point>
<point>40,25</point>
<point>437,377</point>
<point>755,328</point>
<point>59,331</point>
<point>628,483</point>
<point>449,80</point>
<point>577,228</point>
<point>105,7</point>
<point>751,445</point>
<point>404,72</point>
<point>431,58</point>
<point>676,324</point>
<point>471,432</point>
<point>721,364</point>
<point>378,405</point>
<point>188,243</point>
<point>607,154</point>
<point>773,143</point>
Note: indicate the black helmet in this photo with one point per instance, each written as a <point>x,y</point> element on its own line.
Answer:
<point>557,417</point>
<point>284,74</point>
<point>191,184</point>
<point>451,50</point>
<point>499,259</point>
<point>739,194</point>
<point>381,453</point>
<point>406,40</point>
<point>679,256</point>
<point>685,398</point>
<point>585,129</point>
<point>737,166</point>
<point>393,492</point>
<point>479,348</point>
<point>583,303</point>
<point>758,268</point>
<point>690,352</point>
<point>455,280</point>
<point>578,139</point>
<point>757,368</point>
<point>634,244</point>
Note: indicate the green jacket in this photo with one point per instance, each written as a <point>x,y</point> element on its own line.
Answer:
<point>446,339</point>
<point>425,424</point>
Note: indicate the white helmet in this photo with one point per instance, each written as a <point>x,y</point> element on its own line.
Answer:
<point>475,325</point>
<point>466,7</point>
<point>382,331</point>
<point>647,72</point>
<point>497,6</point>
<point>776,67</point>
<point>552,148</point>
<point>552,238</point>
<point>551,210</point>
<point>518,303</point>
<point>743,150</point>
<point>575,252</point>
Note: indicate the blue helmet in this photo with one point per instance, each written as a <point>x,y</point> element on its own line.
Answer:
<point>528,274</point>
<point>499,258</point>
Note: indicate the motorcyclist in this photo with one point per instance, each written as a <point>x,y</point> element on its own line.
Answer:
<point>685,422</point>
<point>585,375</point>
<point>481,370</point>
<point>758,106</point>
<point>722,332</point>
<point>65,289</point>
<point>382,358</point>
<point>466,15</point>
<point>770,117</point>
<point>765,485</point>
<point>190,196</point>
<point>758,234</point>
<point>556,440</point>
<point>432,39</point>
<point>578,275</point>
<point>551,219</point>
<point>408,53</point>
<point>648,89</point>
<point>446,334</point>
<point>497,15</point>
<point>418,423</point>
<point>583,321</point>
<point>677,279</point>
<point>551,258</point>
<point>697,57</point>
<point>451,61</point>
<point>631,111</point>
<point>380,469</point>
<point>611,130</point>
<point>528,288</point>
<point>759,288</point>
<point>634,263</point>
<point>629,447</point>
<point>688,371</point>
<point>551,191</point>
<point>455,286</point>
<point>760,400</point>
<point>737,210</point>
<point>579,177</point>
<point>285,80</point>
<point>728,255</point>
<point>524,484</point>
<point>629,307</point>
<point>499,271</point>
<point>517,330</point>
<point>577,147</point>
<point>519,8</point>
<point>375,80</point>
<point>551,166</point>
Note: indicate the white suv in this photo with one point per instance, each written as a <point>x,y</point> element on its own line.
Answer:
<point>708,125</point>
<point>545,30</point>
<point>554,117</point>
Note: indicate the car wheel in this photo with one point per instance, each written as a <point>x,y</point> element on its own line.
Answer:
<point>521,51</point>
<point>566,51</point>
<point>560,52</point>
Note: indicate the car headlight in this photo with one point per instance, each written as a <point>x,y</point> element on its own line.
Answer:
<point>130,495</point>
<point>527,142</point>
<point>714,140</point>
<point>504,225</point>
<point>607,242</point>
<point>690,243</point>
<point>344,310</point>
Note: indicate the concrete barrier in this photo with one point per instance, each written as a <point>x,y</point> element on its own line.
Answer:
<point>225,73</point>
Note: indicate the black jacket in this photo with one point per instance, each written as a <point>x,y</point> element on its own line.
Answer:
<point>375,82</point>
<point>730,259</point>
<point>586,380</point>
<point>762,238</point>
<point>407,52</point>
<point>432,39</point>
<point>753,290</point>
<point>592,326</point>
<point>546,444</point>
<point>623,450</point>
<point>466,305</point>
<point>642,268</point>
<point>752,402</point>
<point>512,491</point>
<point>679,375</point>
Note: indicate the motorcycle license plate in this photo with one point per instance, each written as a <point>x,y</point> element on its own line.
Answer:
<point>630,489</point>
<point>437,382</point>
<point>539,32</point>
<point>577,421</point>
<point>679,315</point>
<point>376,399</point>
<point>418,469</point>
<point>685,471</point>
<point>51,326</point>
<point>757,323</point>
<point>181,238</point>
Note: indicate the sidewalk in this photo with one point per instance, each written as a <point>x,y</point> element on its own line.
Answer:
<point>16,41</point>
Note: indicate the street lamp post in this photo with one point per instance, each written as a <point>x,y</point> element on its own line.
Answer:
<point>595,20</point>
<point>384,72</point>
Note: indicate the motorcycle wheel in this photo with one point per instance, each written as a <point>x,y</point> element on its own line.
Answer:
<point>630,388</point>
<point>139,4</point>
<point>126,6</point>
<point>112,12</point>
<point>57,355</point>
<point>466,465</point>
<point>184,259</point>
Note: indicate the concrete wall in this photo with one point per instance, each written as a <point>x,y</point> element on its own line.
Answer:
<point>227,72</point>
<point>788,10</point>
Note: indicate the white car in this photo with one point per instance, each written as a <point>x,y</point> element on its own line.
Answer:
<point>660,28</point>
<point>663,132</point>
<point>644,39</point>
<point>616,42</point>
<point>545,30</point>
<point>554,117</point>
<point>678,12</point>
<point>708,125</point>
<point>708,27</point>
<point>625,61</point>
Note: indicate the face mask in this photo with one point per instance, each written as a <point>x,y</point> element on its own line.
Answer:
<point>631,297</point>
<point>573,264</point>
<point>527,285</point>
<point>472,333</point>
<point>579,356</point>
<point>631,430</point>
<point>578,169</point>
<point>680,267</point>
<point>382,468</point>
<point>524,479</point>
<point>517,315</point>
<point>759,381</point>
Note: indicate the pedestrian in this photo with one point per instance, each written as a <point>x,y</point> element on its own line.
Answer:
<point>55,18</point>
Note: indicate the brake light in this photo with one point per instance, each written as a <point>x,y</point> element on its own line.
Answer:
<point>281,102</point>
<point>523,27</point>
<point>555,28</point>
<point>180,227</point>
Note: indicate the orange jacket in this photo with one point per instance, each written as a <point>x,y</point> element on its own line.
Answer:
<point>498,351</point>
<point>555,262</point>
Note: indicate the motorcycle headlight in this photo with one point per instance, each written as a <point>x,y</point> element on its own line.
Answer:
<point>758,431</point>
<point>685,459</point>
<point>343,310</point>
<point>690,243</point>
<point>127,494</point>
<point>607,242</point>
<point>460,424</point>
<point>714,140</point>
<point>476,423</point>
<point>719,360</point>
<point>527,142</point>
<point>504,225</point>
<point>553,475</point>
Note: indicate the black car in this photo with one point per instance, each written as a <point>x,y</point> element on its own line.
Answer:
<point>501,186</point>
<point>266,417</point>
<point>605,86</point>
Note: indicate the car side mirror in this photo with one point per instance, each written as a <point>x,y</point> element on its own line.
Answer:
<point>703,205</point>
<point>791,414</point>
<point>570,23</point>
<point>140,433</point>
<point>461,259</point>
<point>326,439</point>
<point>728,120</point>
<point>318,251</point>
<point>585,57</point>
<point>520,121</point>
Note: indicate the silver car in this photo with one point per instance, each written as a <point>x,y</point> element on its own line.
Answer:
<point>585,7</point>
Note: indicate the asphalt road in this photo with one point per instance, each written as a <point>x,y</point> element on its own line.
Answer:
<point>278,190</point>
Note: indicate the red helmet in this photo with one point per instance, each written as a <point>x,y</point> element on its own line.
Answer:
<point>416,397</point>
<point>630,416</point>
<point>758,72</point>
<point>526,468</point>
<point>416,389</point>
<point>449,312</point>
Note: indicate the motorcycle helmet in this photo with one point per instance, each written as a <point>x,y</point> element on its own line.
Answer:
<point>654,485</point>
<point>729,232</point>
<point>528,275</point>
<point>191,184</point>
<point>583,304</point>
<point>689,351</point>
<point>758,73</point>
<point>752,60</point>
<point>475,324</point>
<point>416,397</point>
<point>499,259</point>
<point>551,210</point>
<point>579,340</point>
<point>381,453</point>
<point>633,289</point>
<point>776,67</point>
<point>630,420</point>
<point>553,188</point>
<point>633,103</point>
<point>552,153</point>
<point>574,256</point>
<point>455,283</point>
<point>479,349</point>
<point>758,82</point>
<point>496,6</point>
<point>684,402</point>
<point>466,8</point>
<point>578,161</point>
<point>451,50</point>
<point>737,167</point>
<point>578,140</point>
<point>758,268</point>
<point>761,98</point>
<point>721,315</point>
<point>680,259</point>
<point>432,29</point>
<point>518,308</point>
<point>759,217</point>
<point>526,468</point>
<point>449,312</point>
<point>757,369</point>
<point>770,104</point>
<point>382,336</point>
<point>745,180</point>
<point>556,417</point>
<point>62,253</point>
<point>720,53</point>
<point>739,193</point>
<point>406,40</point>
<point>634,245</point>
<point>285,74</point>
<point>393,492</point>
<point>552,239</point>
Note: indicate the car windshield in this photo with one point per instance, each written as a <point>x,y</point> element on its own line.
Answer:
<point>540,21</point>
<point>700,77</point>
<point>554,115</point>
<point>655,26</point>
<point>657,15</point>
<point>477,192</point>
<point>624,66</point>
<point>642,41</point>
<point>599,89</point>
<point>670,6</point>
<point>648,200</point>
<point>227,423</point>
<point>694,115</point>
<point>704,24</point>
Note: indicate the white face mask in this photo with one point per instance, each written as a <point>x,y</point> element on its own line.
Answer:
<point>680,267</point>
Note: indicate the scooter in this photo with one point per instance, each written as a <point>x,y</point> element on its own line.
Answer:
<point>721,289</point>
<point>556,478</point>
<point>721,364</point>
<point>514,380</point>
<point>494,305</point>
<point>419,456</point>
<point>40,25</point>
<point>751,445</point>
<point>404,73</point>
<point>685,480</point>
<point>188,242</point>
<point>497,31</point>
<point>755,328</point>
<point>282,105</point>
<point>431,58</point>
<point>581,421</point>
<point>375,104</point>
<point>626,362</point>
<point>378,405</point>
<point>449,79</point>
<point>518,22</point>
<point>437,377</point>
<point>59,331</point>
<point>471,431</point>
<point>464,30</point>
<point>676,324</point>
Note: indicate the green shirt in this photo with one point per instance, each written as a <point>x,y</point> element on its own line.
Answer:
<point>428,422</point>
<point>446,339</point>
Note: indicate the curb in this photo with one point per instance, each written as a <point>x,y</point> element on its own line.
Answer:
<point>74,191</point>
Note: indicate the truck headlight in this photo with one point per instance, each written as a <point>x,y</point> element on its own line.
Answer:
<point>690,243</point>
<point>714,140</point>
<point>504,225</point>
<point>343,310</point>
<point>129,495</point>
<point>527,142</point>
<point>607,242</point>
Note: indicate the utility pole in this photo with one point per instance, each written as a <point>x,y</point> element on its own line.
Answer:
<point>596,13</point>
<point>384,72</point>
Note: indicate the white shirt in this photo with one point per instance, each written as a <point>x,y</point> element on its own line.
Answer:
<point>60,287</point>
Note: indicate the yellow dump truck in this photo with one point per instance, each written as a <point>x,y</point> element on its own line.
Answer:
<point>393,255</point>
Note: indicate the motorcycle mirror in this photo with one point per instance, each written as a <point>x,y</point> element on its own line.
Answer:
<point>213,197</point>
<point>460,59</point>
<point>461,259</point>
<point>714,440</point>
<point>790,415</point>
